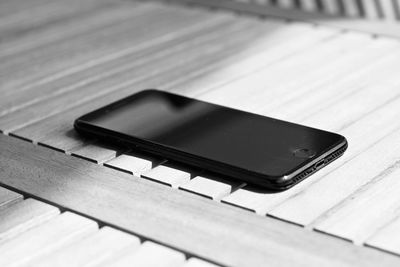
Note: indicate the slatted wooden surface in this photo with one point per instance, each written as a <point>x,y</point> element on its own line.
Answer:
<point>33,233</point>
<point>381,17</point>
<point>60,60</point>
<point>388,10</point>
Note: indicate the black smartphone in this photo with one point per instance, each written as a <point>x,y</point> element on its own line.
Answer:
<point>259,150</point>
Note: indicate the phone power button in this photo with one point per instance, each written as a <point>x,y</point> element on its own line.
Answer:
<point>304,153</point>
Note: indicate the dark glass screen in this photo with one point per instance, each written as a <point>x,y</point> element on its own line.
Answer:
<point>251,142</point>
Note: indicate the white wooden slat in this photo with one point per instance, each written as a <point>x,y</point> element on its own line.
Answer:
<point>388,10</point>
<point>351,8</point>
<point>370,9</point>
<point>331,7</point>
<point>286,3</point>
<point>8,197</point>
<point>130,164</point>
<point>387,237</point>
<point>149,254</point>
<point>215,188</point>
<point>20,66</point>
<point>111,64</point>
<point>262,202</point>
<point>283,43</point>
<point>255,91</point>
<point>365,211</point>
<point>61,230</point>
<point>194,262</point>
<point>95,152</point>
<point>326,84</point>
<point>90,251</point>
<point>24,215</point>
<point>167,175</point>
<point>263,2</point>
<point>339,184</point>
<point>309,5</point>
<point>69,29</point>
<point>396,4</point>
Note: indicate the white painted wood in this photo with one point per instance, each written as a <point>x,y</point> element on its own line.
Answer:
<point>309,5</point>
<point>370,9</point>
<point>130,164</point>
<point>286,3</point>
<point>8,197</point>
<point>167,175</point>
<point>214,188</point>
<point>328,84</point>
<point>351,8</point>
<point>387,237</point>
<point>331,7</point>
<point>95,152</point>
<point>61,230</point>
<point>149,254</point>
<point>388,9</point>
<point>306,206</point>
<point>281,44</point>
<point>396,6</point>
<point>140,206</point>
<point>255,200</point>
<point>256,91</point>
<point>365,211</point>
<point>194,262</point>
<point>263,2</point>
<point>90,251</point>
<point>24,215</point>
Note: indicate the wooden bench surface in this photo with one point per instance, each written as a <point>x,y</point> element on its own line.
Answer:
<point>62,59</point>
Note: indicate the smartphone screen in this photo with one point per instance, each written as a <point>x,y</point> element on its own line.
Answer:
<point>212,133</point>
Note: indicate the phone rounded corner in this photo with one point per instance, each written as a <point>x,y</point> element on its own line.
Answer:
<point>79,125</point>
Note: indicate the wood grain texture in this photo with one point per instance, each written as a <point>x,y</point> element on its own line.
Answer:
<point>149,254</point>
<point>214,188</point>
<point>91,250</point>
<point>386,238</point>
<point>130,164</point>
<point>21,69</point>
<point>366,210</point>
<point>279,45</point>
<point>167,175</point>
<point>8,197</point>
<point>81,21</point>
<point>45,238</point>
<point>250,91</point>
<point>109,64</point>
<point>23,216</point>
<point>96,152</point>
<point>199,225</point>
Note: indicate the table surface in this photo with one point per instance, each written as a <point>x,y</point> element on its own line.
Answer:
<point>62,193</point>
